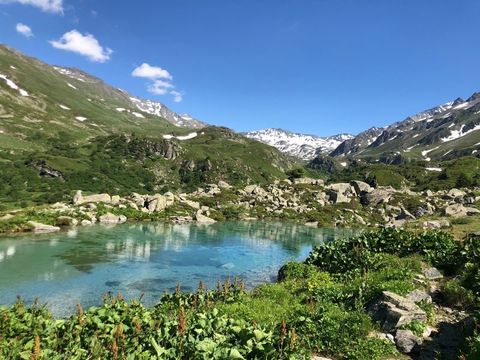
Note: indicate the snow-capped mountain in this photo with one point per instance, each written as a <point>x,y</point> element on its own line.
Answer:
<point>129,103</point>
<point>302,146</point>
<point>449,130</point>
<point>160,110</point>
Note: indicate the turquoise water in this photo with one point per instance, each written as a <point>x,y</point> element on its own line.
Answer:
<point>79,266</point>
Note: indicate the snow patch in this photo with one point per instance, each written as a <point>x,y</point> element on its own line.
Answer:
<point>455,134</point>
<point>13,67</point>
<point>433,169</point>
<point>120,109</point>
<point>344,164</point>
<point>12,85</point>
<point>425,152</point>
<point>64,107</point>
<point>80,118</point>
<point>70,85</point>
<point>138,115</point>
<point>182,137</point>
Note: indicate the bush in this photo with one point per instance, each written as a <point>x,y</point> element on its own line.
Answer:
<point>296,271</point>
<point>364,253</point>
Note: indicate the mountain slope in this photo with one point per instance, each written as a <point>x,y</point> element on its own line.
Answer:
<point>299,145</point>
<point>445,132</point>
<point>62,129</point>
<point>37,100</point>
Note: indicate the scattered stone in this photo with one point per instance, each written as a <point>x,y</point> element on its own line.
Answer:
<point>406,341</point>
<point>405,215</point>
<point>86,222</point>
<point>110,218</point>
<point>308,181</point>
<point>42,228</point>
<point>79,199</point>
<point>6,217</point>
<point>394,311</point>
<point>361,187</point>
<point>312,224</point>
<point>115,199</point>
<point>202,219</point>
<point>419,296</point>
<point>436,224</point>
<point>66,221</point>
<point>432,273</point>
<point>224,185</point>
<point>380,195</point>
<point>459,210</point>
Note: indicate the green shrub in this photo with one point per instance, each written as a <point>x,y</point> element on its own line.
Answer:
<point>296,271</point>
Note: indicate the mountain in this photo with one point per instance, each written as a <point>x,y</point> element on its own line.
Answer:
<point>62,129</point>
<point>445,132</point>
<point>305,147</point>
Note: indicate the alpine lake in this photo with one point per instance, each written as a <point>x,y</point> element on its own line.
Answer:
<point>143,260</point>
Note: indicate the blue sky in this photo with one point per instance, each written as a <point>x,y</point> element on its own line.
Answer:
<point>312,66</point>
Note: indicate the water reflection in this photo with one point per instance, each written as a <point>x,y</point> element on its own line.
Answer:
<point>82,264</point>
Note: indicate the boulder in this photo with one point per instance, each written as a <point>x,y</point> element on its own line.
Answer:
<point>224,185</point>
<point>393,311</point>
<point>436,224</point>
<point>380,195</point>
<point>192,204</point>
<point>459,210</point>
<point>432,273</point>
<point>115,199</point>
<point>255,190</point>
<point>456,194</point>
<point>6,217</point>
<point>170,198</point>
<point>66,221</point>
<point>419,296</point>
<point>79,199</point>
<point>110,218</point>
<point>312,224</point>
<point>42,228</point>
<point>407,341</point>
<point>202,219</point>
<point>86,222</point>
<point>308,181</point>
<point>361,187</point>
<point>156,202</point>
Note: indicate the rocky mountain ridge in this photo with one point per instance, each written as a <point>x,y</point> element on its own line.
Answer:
<point>303,146</point>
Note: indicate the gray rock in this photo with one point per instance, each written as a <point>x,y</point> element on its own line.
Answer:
<point>66,221</point>
<point>406,341</point>
<point>110,218</point>
<point>42,228</point>
<point>86,222</point>
<point>380,195</point>
<point>361,187</point>
<point>202,219</point>
<point>79,199</point>
<point>419,295</point>
<point>224,185</point>
<point>436,224</point>
<point>312,224</point>
<point>459,210</point>
<point>432,273</point>
<point>394,311</point>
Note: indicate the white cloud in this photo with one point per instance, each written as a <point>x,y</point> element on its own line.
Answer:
<point>85,45</point>
<point>161,81</point>
<point>53,6</point>
<point>151,72</point>
<point>25,30</point>
<point>159,87</point>
<point>177,96</point>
